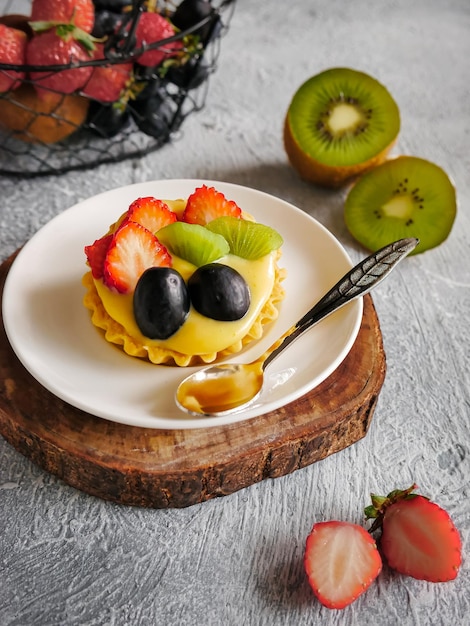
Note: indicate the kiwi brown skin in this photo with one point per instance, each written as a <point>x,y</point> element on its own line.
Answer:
<point>323,93</point>
<point>314,171</point>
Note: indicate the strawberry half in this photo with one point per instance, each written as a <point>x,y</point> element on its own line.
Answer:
<point>151,213</point>
<point>341,561</point>
<point>206,204</point>
<point>96,254</point>
<point>133,249</point>
<point>419,538</point>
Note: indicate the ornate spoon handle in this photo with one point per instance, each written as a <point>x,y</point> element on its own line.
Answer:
<point>359,281</point>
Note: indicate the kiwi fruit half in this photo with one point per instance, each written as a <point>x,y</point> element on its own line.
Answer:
<point>339,123</point>
<point>403,197</point>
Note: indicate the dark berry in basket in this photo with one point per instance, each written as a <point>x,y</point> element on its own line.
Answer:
<point>161,302</point>
<point>156,115</point>
<point>189,75</point>
<point>191,12</point>
<point>107,120</point>
<point>12,52</point>
<point>106,23</point>
<point>112,5</point>
<point>79,12</point>
<point>148,84</point>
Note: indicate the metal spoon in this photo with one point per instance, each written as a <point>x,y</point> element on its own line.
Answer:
<point>226,388</point>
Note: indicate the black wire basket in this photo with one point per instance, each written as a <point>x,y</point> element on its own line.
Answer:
<point>45,131</point>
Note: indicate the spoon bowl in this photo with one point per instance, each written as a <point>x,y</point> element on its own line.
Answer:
<point>227,388</point>
<point>221,389</point>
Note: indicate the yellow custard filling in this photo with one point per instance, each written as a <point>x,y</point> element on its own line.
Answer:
<point>200,335</point>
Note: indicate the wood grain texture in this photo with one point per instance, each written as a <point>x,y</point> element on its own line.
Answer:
<point>178,468</point>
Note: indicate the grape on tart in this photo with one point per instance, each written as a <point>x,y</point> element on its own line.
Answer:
<point>183,282</point>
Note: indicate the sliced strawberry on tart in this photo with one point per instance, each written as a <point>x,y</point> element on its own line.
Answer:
<point>206,204</point>
<point>150,212</point>
<point>132,250</point>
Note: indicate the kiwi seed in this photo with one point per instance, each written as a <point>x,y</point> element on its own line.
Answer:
<point>339,123</point>
<point>404,197</point>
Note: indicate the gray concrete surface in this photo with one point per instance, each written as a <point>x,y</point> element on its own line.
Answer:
<point>69,559</point>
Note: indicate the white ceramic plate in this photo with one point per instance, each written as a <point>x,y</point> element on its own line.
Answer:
<point>51,333</point>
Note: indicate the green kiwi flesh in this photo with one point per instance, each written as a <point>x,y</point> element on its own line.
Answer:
<point>246,239</point>
<point>193,243</point>
<point>404,197</point>
<point>342,117</point>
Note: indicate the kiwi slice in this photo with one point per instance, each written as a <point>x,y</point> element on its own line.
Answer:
<point>404,197</point>
<point>340,123</point>
<point>246,239</point>
<point>193,243</point>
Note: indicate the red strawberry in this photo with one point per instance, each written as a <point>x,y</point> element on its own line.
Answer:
<point>151,213</point>
<point>107,82</point>
<point>206,204</point>
<point>81,13</point>
<point>132,250</point>
<point>59,47</point>
<point>341,561</point>
<point>152,28</point>
<point>418,537</point>
<point>12,51</point>
<point>96,254</point>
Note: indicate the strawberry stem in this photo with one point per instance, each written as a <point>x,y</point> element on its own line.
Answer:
<point>67,32</point>
<point>376,510</point>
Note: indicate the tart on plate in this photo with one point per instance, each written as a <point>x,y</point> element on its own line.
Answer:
<point>184,281</point>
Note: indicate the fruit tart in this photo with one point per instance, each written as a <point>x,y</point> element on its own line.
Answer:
<point>186,281</point>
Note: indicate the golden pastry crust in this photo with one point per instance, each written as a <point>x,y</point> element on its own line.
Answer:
<point>115,332</point>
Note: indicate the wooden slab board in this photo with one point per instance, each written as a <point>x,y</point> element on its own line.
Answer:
<point>178,468</point>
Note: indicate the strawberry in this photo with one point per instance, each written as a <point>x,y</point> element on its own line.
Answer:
<point>152,28</point>
<point>12,52</point>
<point>151,213</point>
<point>107,82</point>
<point>81,13</point>
<point>96,254</point>
<point>59,46</point>
<point>206,204</point>
<point>133,249</point>
<point>341,560</point>
<point>418,537</point>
